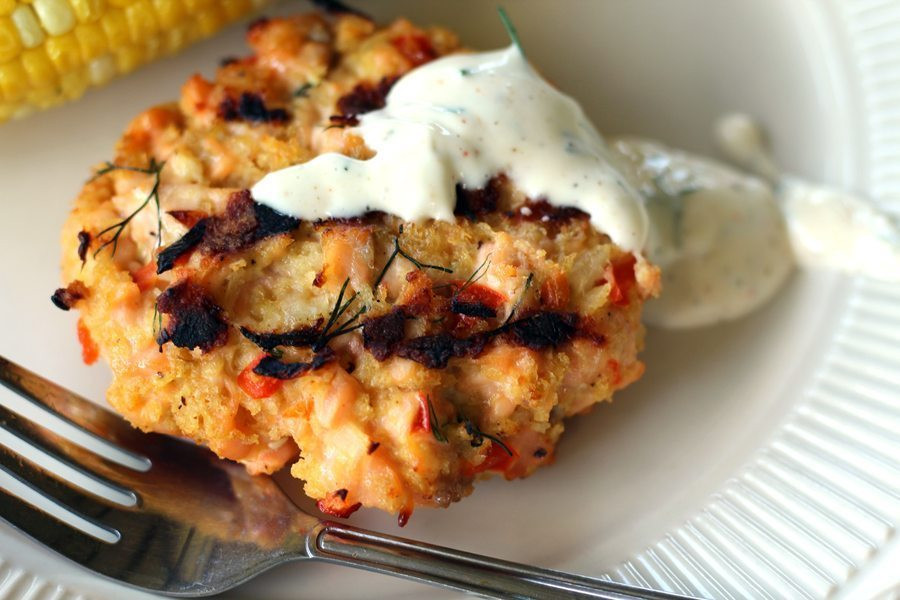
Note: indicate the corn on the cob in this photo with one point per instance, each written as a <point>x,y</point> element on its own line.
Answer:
<point>53,50</point>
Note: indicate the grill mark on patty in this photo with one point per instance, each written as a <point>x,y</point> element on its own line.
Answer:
<point>65,298</point>
<point>541,330</point>
<point>435,351</point>
<point>303,337</point>
<point>251,107</point>
<point>543,211</point>
<point>363,98</point>
<point>382,335</point>
<point>195,320</point>
<point>243,223</point>
<point>474,204</point>
<point>269,366</point>
<point>84,242</point>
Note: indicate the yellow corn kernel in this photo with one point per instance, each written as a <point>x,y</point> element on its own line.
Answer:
<point>91,40</point>
<point>26,22</point>
<point>13,80</point>
<point>129,57</point>
<point>193,5</point>
<point>88,11</point>
<point>6,7</point>
<point>169,12</point>
<point>102,69</point>
<point>74,83</point>
<point>210,20</point>
<point>236,8</point>
<point>64,52</point>
<point>115,26</point>
<point>10,44</point>
<point>141,21</point>
<point>44,97</point>
<point>56,16</point>
<point>39,68</point>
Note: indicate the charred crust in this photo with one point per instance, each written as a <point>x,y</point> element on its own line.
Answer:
<point>341,493</point>
<point>188,218</point>
<point>383,335</point>
<point>544,212</point>
<point>435,351</point>
<point>195,321</point>
<point>475,204</point>
<point>84,242</point>
<point>363,98</point>
<point>228,60</point>
<point>167,257</point>
<point>542,330</point>
<point>373,447</point>
<point>65,298</point>
<point>303,337</point>
<point>270,366</point>
<point>251,107</point>
<point>343,120</point>
<point>243,223</point>
<point>472,309</point>
<point>540,453</point>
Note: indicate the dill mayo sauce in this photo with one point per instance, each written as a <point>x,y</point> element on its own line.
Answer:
<point>463,119</point>
<point>717,235</point>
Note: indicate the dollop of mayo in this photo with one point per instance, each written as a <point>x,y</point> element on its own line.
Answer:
<point>716,234</point>
<point>829,227</point>
<point>463,119</point>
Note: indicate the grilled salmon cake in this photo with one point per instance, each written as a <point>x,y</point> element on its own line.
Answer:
<point>390,363</point>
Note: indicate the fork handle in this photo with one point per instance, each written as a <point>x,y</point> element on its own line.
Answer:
<point>454,569</point>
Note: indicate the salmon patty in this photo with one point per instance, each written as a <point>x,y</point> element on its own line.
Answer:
<point>392,364</point>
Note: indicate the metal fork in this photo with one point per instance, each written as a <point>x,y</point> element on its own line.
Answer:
<point>174,519</point>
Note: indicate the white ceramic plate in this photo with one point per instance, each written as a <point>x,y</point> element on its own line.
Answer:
<point>755,459</point>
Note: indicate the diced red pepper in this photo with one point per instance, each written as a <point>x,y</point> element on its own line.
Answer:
<point>89,350</point>
<point>145,277</point>
<point>258,386</point>
<point>336,506</point>
<point>620,275</point>
<point>481,294</point>
<point>416,48</point>
<point>422,422</point>
<point>497,459</point>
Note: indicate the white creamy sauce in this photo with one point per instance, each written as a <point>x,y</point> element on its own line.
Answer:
<point>725,241</point>
<point>464,119</point>
<point>829,228</point>
<point>717,235</point>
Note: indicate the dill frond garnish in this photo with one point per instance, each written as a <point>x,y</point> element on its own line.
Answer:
<point>435,426</point>
<point>400,251</point>
<point>303,90</point>
<point>478,436</point>
<point>477,274</point>
<point>340,307</point>
<point>154,168</point>
<point>510,29</point>
<point>518,303</point>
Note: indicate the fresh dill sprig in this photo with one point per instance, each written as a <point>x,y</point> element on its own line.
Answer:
<point>435,426</point>
<point>518,303</point>
<point>155,168</point>
<point>303,90</point>
<point>510,29</point>
<point>477,274</point>
<point>478,436</point>
<point>398,250</point>
<point>336,313</point>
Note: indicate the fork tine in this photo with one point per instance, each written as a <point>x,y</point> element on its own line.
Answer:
<point>54,455</point>
<point>71,416</point>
